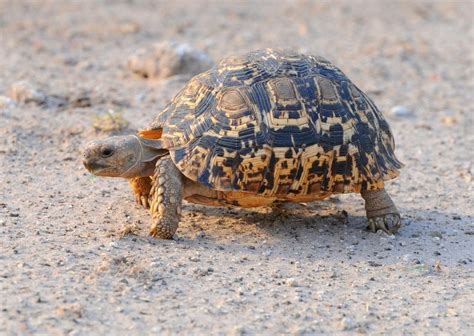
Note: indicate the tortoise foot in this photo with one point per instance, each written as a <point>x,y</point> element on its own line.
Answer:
<point>389,223</point>
<point>381,211</point>
<point>161,232</point>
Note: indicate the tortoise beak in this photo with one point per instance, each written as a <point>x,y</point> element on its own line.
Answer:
<point>88,165</point>
<point>90,162</point>
<point>93,166</point>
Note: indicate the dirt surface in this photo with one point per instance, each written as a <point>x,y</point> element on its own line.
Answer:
<point>65,267</point>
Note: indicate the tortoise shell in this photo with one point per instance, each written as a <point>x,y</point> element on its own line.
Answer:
<point>272,123</point>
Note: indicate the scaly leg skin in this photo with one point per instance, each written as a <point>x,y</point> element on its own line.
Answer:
<point>381,211</point>
<point>165,199</point>
<point>141,187</point>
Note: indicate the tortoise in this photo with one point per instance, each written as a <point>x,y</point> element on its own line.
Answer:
<point>268,126</point>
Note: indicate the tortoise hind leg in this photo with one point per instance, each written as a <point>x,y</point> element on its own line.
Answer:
<point>381,211</point>
<point>165,199</point>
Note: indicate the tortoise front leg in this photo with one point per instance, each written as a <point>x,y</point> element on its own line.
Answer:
<point>381,211</point>
<point>141,187</point>
<point>165,199</point>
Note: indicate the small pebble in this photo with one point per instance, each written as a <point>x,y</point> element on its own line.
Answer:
<point>25,92</point>
<point>292,282</point>
<point>449,120</point>
<point>347,323</point>
<point>400,111</point>
<point>267,253</point>
<point>6,102</point>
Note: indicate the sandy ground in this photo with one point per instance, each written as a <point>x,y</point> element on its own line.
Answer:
<point>64,267</point>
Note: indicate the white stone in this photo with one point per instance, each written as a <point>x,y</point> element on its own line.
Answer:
<point>6,102</point>
<point>401,111</point>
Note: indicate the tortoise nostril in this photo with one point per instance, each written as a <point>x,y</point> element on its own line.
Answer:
<point>86,157</point>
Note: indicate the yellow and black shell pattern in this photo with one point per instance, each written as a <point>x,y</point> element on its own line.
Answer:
<point>275,124</point>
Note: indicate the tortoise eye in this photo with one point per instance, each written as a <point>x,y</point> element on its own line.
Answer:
<point>106,152</point>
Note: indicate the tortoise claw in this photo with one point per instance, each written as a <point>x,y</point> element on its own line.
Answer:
<point>389,223</point>
<point>142,200</point>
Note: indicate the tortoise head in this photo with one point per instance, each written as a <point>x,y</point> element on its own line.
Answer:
<point>122,156</point>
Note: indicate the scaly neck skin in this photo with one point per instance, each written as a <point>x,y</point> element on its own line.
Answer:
<point>149,154</point>
<point>148,168</point>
